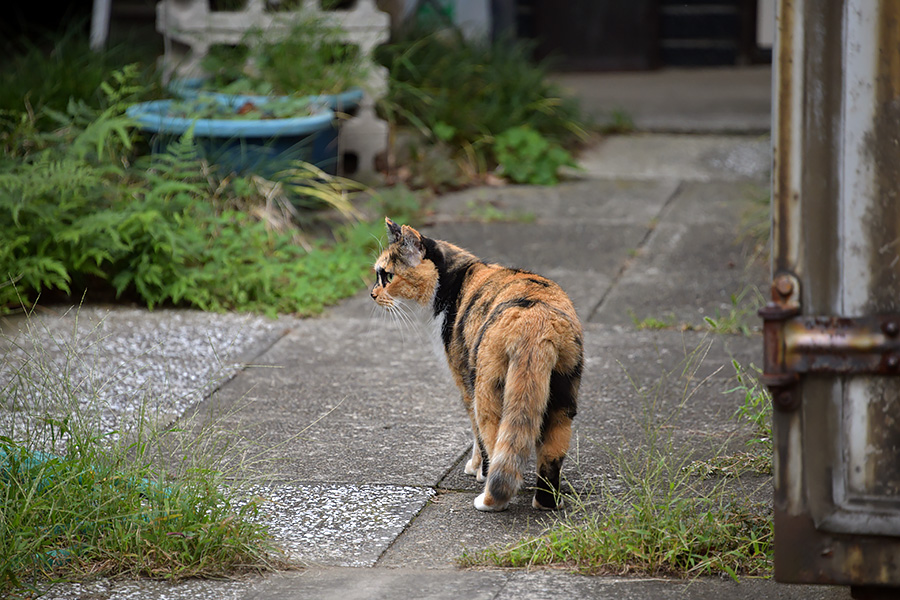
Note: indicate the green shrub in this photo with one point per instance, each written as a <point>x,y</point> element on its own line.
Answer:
<point>309,59</point>
<point>469,93</point>
<point>526,156</point>
<point>77,214</point>
<point>48,73</point>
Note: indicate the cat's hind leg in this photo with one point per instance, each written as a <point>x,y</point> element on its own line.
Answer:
<point>556,434</point>
<point>489,408</point>
<point>551,451</point>
<point>474,464</point>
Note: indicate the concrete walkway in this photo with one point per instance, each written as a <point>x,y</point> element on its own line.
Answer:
<point>359,434</point>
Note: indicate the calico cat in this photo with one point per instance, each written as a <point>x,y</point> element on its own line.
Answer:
<point>514,346</point>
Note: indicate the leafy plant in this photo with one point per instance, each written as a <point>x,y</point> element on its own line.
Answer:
<point>744,306</point>
<point>50,72</point>
<point>78,215</point>
<point>525,156</point>
<point>465,94</point>
<point>310,58</point>
<point>736,321</point>
<point>756,408</point>
<point>653,323</point>
<point>620,122</point>
<point>488,212</point>
<point>756,221</point>
<point>209,108</point>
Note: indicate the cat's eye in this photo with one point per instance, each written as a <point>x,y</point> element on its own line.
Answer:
<point>384,277</point>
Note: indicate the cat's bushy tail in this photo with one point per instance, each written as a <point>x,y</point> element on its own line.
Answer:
<point>525,400</point>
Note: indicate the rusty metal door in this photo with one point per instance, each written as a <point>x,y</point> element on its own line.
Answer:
<point>832,330</point>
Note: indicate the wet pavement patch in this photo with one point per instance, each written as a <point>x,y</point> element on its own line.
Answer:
<point>339,524</point>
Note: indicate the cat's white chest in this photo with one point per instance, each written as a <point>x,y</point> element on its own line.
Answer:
<point>437,341</point>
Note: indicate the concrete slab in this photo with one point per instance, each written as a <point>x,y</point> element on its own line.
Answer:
<point>382,584</point>
<point>692,263</point>
<point>335,402</point>
<point>549,585</point>
<point>146,589</point>
<point>425,544</point>
<point>679,100</point>
<point>431,584</point>
<point>609,201</point>
<point>585,266</point>
<point>338,525</point>
<point>114,362</point>
<point>680,158</point>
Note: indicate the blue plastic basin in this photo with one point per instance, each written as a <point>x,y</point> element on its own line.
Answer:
<point>264,147</point>
<point>325,147</point>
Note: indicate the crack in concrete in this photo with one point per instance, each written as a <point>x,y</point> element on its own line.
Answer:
<point>645,241</point>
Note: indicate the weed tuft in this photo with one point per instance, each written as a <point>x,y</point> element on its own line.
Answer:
<point>654,516</point>
<point>85,497</point>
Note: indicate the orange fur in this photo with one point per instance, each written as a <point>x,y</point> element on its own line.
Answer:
<point>513,342</point>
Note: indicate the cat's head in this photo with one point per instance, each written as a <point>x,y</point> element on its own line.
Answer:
<point>402,270</point>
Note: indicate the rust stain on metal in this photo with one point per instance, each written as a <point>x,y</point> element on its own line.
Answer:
<point>782,164</point>
<point>803,554</point>
<point>841,345</point>
<point>882,220</point>
<point>795,345</point>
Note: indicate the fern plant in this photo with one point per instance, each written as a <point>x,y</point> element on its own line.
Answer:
<point>78,211</point>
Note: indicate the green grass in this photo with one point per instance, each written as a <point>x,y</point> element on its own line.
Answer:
<point>657,514</point>
<point>653,323</point>
<point>488,212</point>
<point>81,500</point>
<point>739,319</point>
<point>619,122</point>
<point>756,221</point>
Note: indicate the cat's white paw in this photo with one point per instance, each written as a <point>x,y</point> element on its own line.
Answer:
<point>496,507</point>
<point>480,476</point>
<point>472,468</point>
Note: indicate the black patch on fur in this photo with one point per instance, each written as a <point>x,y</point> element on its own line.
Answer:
<point>485,463</point>
<point>458,331</point>
<point>578,370</point>
<point>563,397</point>
<point>540,282</point>
<point>449,286</point>
<point>469,377</point>
<point>547,493</point>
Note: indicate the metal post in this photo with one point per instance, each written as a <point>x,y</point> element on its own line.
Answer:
<point>836,237</point>
<point>100,24</point>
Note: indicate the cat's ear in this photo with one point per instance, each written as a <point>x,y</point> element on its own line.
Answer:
<point>394,231</point>
<point>412,248</point>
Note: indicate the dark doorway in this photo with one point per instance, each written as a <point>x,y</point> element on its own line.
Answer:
<point>593,34</point>
<point>598,35</point>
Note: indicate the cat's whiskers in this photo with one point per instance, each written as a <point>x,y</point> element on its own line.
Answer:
<point>376,314</point>
<point>400,313</point>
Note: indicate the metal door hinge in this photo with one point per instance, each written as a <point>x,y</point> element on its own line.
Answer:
<point>797,344</point>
